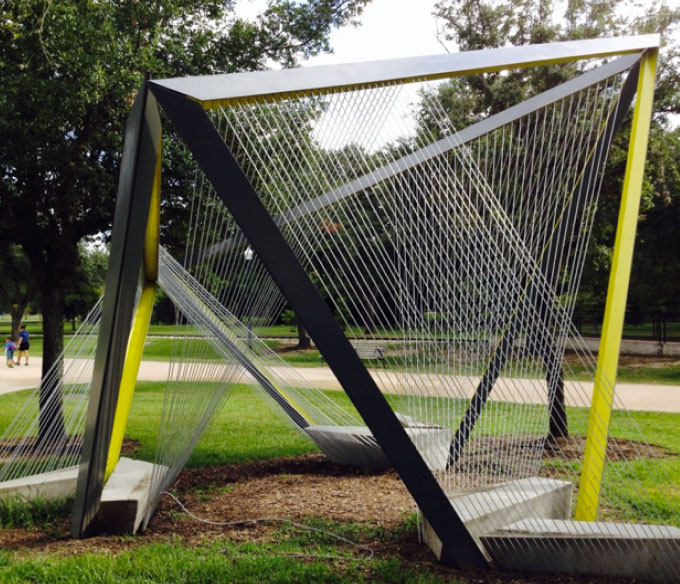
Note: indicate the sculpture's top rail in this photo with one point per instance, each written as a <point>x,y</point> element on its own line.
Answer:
<point>216,90</point>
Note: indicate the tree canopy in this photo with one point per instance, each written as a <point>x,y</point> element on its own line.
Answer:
<point>69,73</point>
<point>479,24</point>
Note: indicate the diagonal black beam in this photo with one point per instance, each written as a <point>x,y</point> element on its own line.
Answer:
<point>142,141</point>
<point>233,187</point>
<point>547,275</point>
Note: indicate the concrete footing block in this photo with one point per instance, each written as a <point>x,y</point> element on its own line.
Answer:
<point>356,446</point>
<point>649,553</point>
<point>56,484</point>
<point>489,509</point>
<point>125,497</point>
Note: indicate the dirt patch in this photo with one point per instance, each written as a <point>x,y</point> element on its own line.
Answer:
<point>296,488</point>
<point>293,488</point>
<point>618,449</point>
<point>502,456</point>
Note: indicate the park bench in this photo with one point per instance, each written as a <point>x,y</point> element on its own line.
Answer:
<point>368,350</point>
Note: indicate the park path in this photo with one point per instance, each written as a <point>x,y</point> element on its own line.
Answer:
<point>631,396</point>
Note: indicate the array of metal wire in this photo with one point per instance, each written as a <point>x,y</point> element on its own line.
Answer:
<point>465,266</point>
<point>45,435</point>
<point>461,259</point>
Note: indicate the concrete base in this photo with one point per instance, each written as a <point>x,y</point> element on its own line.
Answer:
<point>356,446</point>
<point>125,497</point>
<point>490,509</point>
<point>57,484</point>
<point>646,552</point>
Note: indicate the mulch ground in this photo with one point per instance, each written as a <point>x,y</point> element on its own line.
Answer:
<point>294,488</point>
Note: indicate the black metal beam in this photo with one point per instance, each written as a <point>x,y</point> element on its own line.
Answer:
<point>220,167</point>
<point>142,141</point>
<point>547,275</point>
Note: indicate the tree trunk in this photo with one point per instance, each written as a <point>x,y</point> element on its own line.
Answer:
<point>558,424</point>
<point>304,342</point>
<point>17,313</point>
<point>51,423</point>
<point>559,427</point>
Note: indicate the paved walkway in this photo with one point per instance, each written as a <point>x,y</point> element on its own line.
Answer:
<point>631,396</point>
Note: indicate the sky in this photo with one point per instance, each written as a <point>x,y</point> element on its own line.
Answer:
<point>388,29</point>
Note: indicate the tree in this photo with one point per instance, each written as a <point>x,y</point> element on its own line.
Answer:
<point>479,24</point>
<point>17,288</point>
<point>87,283</point>
<point>69,72</point>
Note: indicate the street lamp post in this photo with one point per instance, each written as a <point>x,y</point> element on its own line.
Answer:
<point>248,256</point>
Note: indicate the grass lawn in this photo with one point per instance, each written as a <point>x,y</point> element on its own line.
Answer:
<point>663,372</point>
<point>34,325</point>
<point>645,330</point>
<point>247,429</point>
<point>211,563</point>
<point>235,436</point>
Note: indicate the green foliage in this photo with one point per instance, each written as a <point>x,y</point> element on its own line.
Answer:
<point>479,24</point>
<point>87,282</point>
<point>17,288</point>
<point>288,317</point>
<point>69,72</point>
<point>163,309</point>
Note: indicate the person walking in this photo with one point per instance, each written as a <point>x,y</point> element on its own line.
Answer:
<point>23,345</point>
<point>9,351</point>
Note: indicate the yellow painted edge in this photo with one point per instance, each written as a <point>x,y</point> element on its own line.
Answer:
<point>140,325</point>
<point>300,410</point>
<point>133,358</point>
<point>209,104</point>
<point>612,327</point>
<point>152,237</point>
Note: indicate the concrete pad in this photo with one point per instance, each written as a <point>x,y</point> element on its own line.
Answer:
<point>356,446</point>
<point>489,509</point>
<point>56,484</point>
<point>125,497</point>
<point>646,552</point>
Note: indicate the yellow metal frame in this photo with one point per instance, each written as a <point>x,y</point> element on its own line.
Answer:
<point>612,326</point>
<point>140,325</point>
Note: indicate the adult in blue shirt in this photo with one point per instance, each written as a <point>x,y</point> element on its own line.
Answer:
<point>23,345</point>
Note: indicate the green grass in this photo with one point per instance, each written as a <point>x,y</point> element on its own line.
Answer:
<point>235,435</point>
<point>35,513</point>
<point>164,348</point>
<point>34,325</point>
<point>668,375</point>
<point>645,330</point>
<point>209,563</point>
<point>161,349</point>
